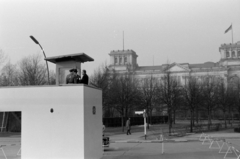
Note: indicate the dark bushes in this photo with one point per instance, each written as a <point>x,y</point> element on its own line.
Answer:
<point>236,129</point>
<point>117,121</point>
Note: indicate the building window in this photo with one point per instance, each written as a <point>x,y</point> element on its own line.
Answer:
<point>227,54</point>
<point>233,54</point>
<point>238,54</point>
<point>120,60</point>
<point>125,60</point>
<point>115,60</point>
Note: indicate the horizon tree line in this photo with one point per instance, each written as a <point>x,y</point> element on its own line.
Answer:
<point>30,70</point>
<point>124,93</point>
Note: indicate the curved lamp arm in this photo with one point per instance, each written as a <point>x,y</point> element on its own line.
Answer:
<point>43,54</point>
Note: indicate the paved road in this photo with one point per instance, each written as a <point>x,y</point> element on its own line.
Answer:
<point>134,146</point>
<point>180,150</point>
<point>10,152</point>
<point>11,143</point>
<point>188,147</point>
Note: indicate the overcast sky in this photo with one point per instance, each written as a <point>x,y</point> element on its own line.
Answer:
<point>178,31</point>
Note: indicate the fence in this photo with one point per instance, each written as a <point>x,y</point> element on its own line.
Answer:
<point>221,145</point>
<point>181,131</point>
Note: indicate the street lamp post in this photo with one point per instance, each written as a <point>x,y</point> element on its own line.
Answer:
<point>43,54</point>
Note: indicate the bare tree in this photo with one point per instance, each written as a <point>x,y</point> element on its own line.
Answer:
<point>124,94</point>
<point>209,97</point>
<point>52,77</point>
<point>148,88</point>
<point>169,93</point>
<point>32,71</point>
<point>224,98</point>
<point>9,75</point>
<point>237,98</point>
<point>233,105</point>
<point>191,93</point>
<point>102,79</point>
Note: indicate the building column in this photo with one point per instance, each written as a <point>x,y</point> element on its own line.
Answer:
<point>112,62</point>
<point>223,54</point>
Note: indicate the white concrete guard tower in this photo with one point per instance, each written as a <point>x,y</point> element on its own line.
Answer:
<point>58,122</point>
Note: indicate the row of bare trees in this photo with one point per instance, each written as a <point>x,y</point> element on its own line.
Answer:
<point>29,70</point>
<point>126,93</point>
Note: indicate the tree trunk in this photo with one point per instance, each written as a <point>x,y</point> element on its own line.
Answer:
<point>191,121</point>
<point>126,113</point>
<point>224,116</point>
<point>186,115</point>
<point>151,116</point>
<point>170,121</point>
<point>193,118</point>
<point>170,125</point>
<point>209,119</point>
<point>174,116</point>
<point>239,118</point>
<point>229,122</point>
<point>122,123</point>
<point>197,115</point>
<point>147,119</point>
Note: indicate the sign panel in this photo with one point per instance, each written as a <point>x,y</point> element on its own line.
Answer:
<point>139,112</point>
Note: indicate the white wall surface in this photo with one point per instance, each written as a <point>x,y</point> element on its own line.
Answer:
<point>61,134</point>
<point>93,123</point>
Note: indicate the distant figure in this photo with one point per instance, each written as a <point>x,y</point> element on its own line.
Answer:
<point>84,79</point>
<point>73,77</point>
<point>128,126</point>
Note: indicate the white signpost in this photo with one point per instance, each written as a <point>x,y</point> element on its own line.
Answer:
<point>145,123</point>
<point>145,127</point>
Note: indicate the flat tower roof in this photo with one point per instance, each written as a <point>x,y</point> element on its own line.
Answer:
<point>79,57</point>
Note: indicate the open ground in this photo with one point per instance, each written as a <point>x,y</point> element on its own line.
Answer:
<point>188,146</point>
<point>132,146</point>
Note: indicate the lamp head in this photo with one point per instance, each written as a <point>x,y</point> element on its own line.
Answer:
<point>34,39</point>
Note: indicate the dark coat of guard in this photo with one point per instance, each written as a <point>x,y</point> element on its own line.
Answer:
<point>84,79</point>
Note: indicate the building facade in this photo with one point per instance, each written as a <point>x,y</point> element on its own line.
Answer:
<point>227,68</point>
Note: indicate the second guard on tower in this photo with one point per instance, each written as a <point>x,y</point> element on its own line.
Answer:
<point>84,79</point>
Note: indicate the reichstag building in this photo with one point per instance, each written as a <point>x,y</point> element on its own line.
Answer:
<point>227,68</point>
